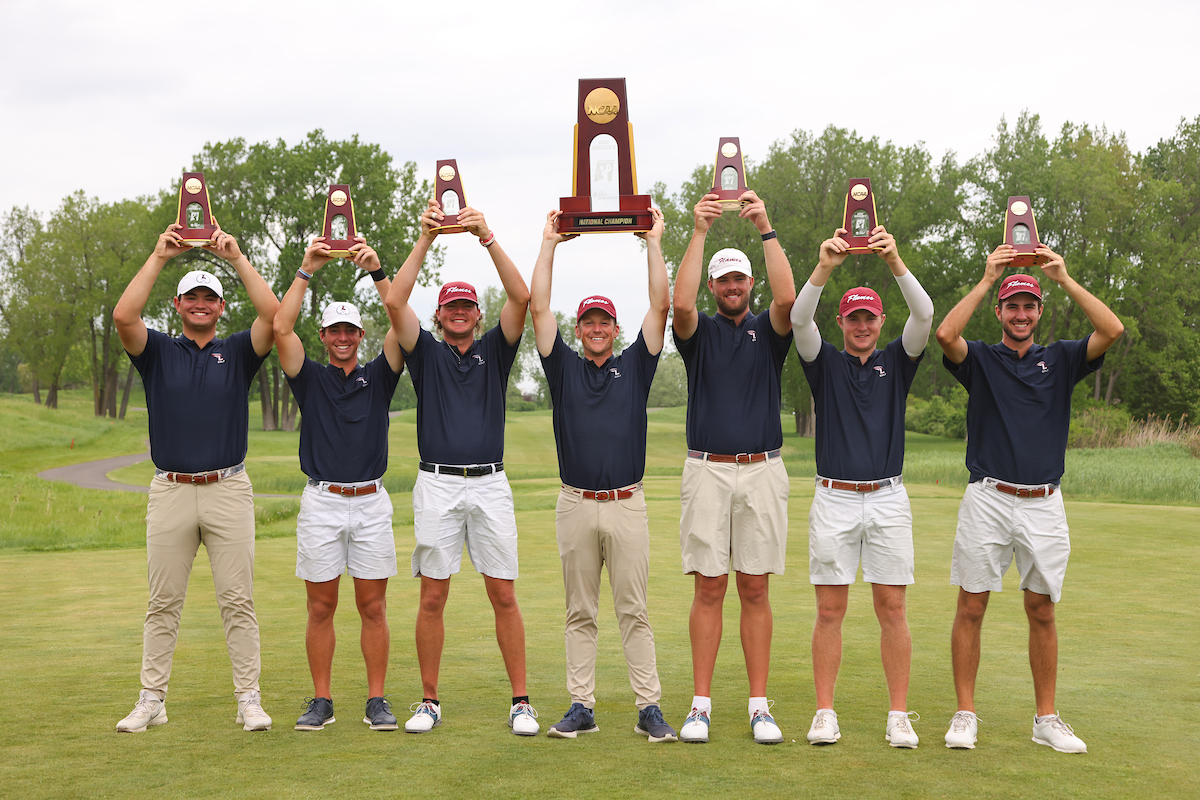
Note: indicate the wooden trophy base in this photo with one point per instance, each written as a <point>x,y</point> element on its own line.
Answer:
<point>578,217</point>
<point>858,244</point>
<point>196,237</point>
<point>1026,257</point>
<point>730,199</point>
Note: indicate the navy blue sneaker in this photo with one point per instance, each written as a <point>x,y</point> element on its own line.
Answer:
<point>578,719</point>
<point>652,725</point>
<point>319,713</point>
<point>379,715</point>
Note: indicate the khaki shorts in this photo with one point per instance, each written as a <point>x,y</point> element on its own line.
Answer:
<point>734,516</point>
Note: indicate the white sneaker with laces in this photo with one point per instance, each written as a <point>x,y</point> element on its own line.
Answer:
<point>899,731</point>
<point>250,713</point>
<point>523,720</point>
<point>695,727</point>
<point>824,729</point>
<point>148,710</point>
<point>764,727</point>
<point>964,731</point>
<point>1053,732</point>
<point>426,716</point>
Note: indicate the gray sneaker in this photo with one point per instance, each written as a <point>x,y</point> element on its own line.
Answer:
<point>379,715</point>
<point>319,713</point>
<point>578,719</point>
<point>652,725</point>
<point>148,710</point>
<point>250,712</point>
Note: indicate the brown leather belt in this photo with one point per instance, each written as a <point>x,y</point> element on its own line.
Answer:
<point>858,487</point>
<point>1020,491</point>
<point>200,477</point>
<point>740,458</point>
<point>605,495</point>
<point>347,491</point>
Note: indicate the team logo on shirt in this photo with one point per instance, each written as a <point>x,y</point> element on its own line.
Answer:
<point>615,373</point>
<point>220,358</point>
<point>753,335</point>
<point>880,371</point>
<point>361,379</point>
<point>1042,364</point>
<point>477,357</point>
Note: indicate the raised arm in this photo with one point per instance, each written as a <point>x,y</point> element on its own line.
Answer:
<point>688,278</point>
<point>1108,326</point>
<point>545,326</point>
<point>654,326</point>
<point>366,259</point>
<point>403,318</point>
<point>920,305</point>
<point>291,349</point>
<point>512,316</point>
<point>832,253</point>
<point>779,271</point>
<point>949,333</point>
<point>127,313</point>
<point>262,333</point>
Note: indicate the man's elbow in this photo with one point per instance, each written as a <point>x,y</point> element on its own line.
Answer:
<point>944,336</point>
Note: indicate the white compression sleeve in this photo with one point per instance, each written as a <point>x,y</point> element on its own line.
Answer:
<point>920,317</point>
<point>808,337</point>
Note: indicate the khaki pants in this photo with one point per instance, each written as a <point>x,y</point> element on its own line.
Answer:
<point>590,535</point>
<point>179,517</point>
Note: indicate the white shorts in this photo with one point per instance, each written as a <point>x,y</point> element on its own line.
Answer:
<point>335,534</point>
<point>846,526</point>
<point>450,510</point>
<point>733,515</point>
<point>993,527</point>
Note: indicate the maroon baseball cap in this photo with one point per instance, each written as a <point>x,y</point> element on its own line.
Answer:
<point>457,290</point>
<point>1015,284</point>
<point>861,297</point>
<point>596,301</point>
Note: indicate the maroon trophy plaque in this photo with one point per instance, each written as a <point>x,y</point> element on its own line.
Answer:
<point>1020,231</point>
<point>604,187</point>
<point>195,211</point>
<point>339,230</point>
<point>448,189</point>
<point>729,174</point>
<point>859,216</point>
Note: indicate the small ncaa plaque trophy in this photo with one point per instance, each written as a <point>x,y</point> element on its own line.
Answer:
<point>448,189</point>
<point>729,174</point>
<point>339,230</point>
<point>195,212</point>
<point>1020,231</point>
<point>859,216</point>
<point>604,186</point>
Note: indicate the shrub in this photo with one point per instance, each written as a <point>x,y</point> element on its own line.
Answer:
<point>939,415</point>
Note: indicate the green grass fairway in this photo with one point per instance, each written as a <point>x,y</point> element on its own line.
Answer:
<point>1127,680</point>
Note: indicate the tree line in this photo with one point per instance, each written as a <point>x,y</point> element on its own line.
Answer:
<point>1128,225</point>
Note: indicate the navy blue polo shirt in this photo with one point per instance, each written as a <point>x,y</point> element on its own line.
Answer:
<point>344,422</point>
<point>860,411</point>
<point>600,414</point>
<point>734,384</point>
<point>1019,410</point>
<point>197,400</point>
<point>460,398</point>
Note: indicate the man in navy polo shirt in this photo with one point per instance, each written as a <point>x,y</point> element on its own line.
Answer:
<point>600,427</point>
<point>860,509</point>
<point>196,394</point>
<point>1018,417</point>
<point>345,520</point>
<point>734,488</point>
<point>462,494</point>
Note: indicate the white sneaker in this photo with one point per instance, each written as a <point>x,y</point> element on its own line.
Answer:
<point>764,727</point>
<point>899,731</point>
<point>426,716</point>
<point>824,729</point>
<point>148,710</point>
<point>1053,732</point>
<point>523,720</point>
<point>250,713</point>
<point>964,731</point>
<point>695,727</point>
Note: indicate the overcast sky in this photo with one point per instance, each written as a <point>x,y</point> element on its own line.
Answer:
<point>116,98</point>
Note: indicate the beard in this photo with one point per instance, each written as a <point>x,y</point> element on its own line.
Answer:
<point>1018,336</point>
<point>732,308</point>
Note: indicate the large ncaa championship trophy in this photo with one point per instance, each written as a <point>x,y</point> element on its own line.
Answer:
<point>729,174</point>
<point>1020,231</point>
<point>195,211</point>
<point>604,186</point>
<point>858,217</point>
<point>339,230</point>
<point>448,189</point>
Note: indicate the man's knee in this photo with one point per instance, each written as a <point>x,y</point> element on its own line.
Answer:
<point>752,589</point>
<point>972,606</point>
<point>1039,608</point>
<point>433,595</point>
<point>711,591</point>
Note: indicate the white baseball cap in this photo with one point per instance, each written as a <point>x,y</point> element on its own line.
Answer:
<point>728,260</point>
<point>199,277</point>
<point>337,312</point>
